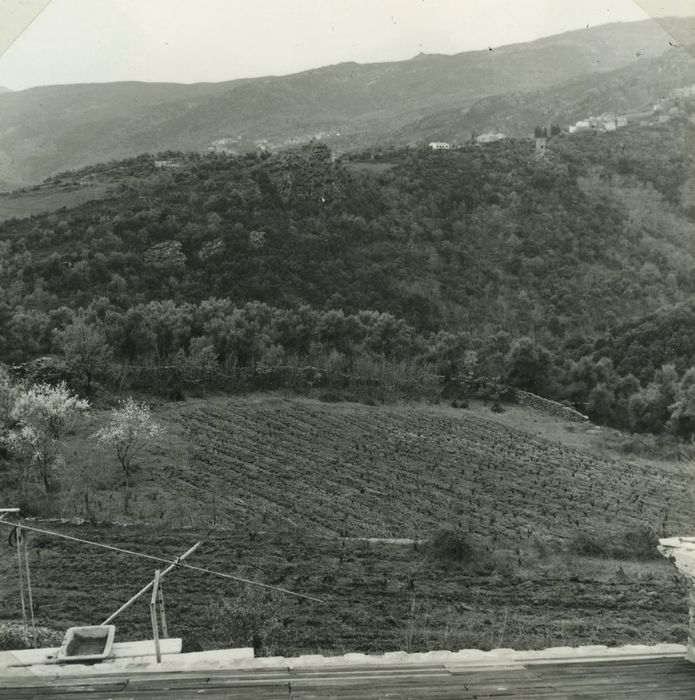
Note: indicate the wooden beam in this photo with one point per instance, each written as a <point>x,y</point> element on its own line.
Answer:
<point>146,588</point>
<point>153,616</point>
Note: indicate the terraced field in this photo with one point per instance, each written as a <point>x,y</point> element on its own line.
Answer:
<point>400,471</point>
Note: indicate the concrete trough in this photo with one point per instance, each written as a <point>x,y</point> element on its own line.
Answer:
<point>83,644</point>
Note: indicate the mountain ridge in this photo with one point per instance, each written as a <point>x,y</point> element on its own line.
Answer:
<point>623,90</point>
<point>45,130</point>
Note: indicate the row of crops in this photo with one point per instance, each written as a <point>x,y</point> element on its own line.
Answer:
<point>404,471</point>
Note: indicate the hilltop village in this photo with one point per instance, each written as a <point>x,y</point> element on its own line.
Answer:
<point>679,102</point>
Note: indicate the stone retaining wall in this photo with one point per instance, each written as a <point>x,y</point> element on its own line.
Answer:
<point>552,408</point>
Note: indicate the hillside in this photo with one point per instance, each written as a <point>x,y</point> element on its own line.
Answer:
<point>280,489</point>
<point>44,130</point>
<point>477,240</point>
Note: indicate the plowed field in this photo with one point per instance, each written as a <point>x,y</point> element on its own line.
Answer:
<point>282,489</point>
<point>402,471</point>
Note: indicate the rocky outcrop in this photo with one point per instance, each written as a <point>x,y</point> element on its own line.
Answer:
<point>166,255</point>
<point>210,249</point>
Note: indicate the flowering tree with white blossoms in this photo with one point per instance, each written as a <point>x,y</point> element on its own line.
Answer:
<point>42,415</point>
<point>130,429</point>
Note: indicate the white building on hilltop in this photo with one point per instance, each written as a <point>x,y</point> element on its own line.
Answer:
<point>439,146</point>
<point>604,122</point>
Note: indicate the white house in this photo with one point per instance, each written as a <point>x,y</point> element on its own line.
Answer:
<point>439,146</point>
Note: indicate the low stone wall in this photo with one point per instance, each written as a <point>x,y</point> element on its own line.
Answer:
<point>552,408</point>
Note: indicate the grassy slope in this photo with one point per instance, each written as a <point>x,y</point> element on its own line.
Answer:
<point>270,482</point>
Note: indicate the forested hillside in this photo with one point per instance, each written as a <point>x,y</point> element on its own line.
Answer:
<point>478,239</point>
<point>406,255</point>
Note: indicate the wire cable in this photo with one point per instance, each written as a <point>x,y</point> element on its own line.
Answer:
<point>162,560</point>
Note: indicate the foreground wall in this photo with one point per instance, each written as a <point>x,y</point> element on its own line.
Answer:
<point>681,551</point>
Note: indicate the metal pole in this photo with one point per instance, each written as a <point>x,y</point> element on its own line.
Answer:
<point>144,590</point>
<point>153,616</point>
<point>18,530</point>
<point>31,600</point>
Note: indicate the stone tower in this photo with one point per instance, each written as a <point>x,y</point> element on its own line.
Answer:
<point>541,143</point>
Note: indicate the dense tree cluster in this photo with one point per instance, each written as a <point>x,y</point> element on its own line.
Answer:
<point>478,265</point>
<point>482,238</point>
<point>639,375</point>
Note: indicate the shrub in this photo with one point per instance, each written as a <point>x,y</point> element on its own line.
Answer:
<point>640,543</point>
<point>450,547</point>
<point>589,545</point>
<point>252,618</point>
<point>13,636</point>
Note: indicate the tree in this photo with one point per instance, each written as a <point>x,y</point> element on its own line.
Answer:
<point>130,429</point>
<point>600,403</point>
<point>682,421</point>
<point>85,349</point>
<point>528,365</point>
<point>649,410</point>
<point>43,414</point>
<point>7,398</point>
<point>468,374</point>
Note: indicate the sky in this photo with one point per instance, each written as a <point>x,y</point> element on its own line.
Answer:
<point>73,41</point>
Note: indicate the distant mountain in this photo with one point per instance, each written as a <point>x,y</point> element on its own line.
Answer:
<point>4,89</point>
<point>623,91</point>
<point>49,129</point>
